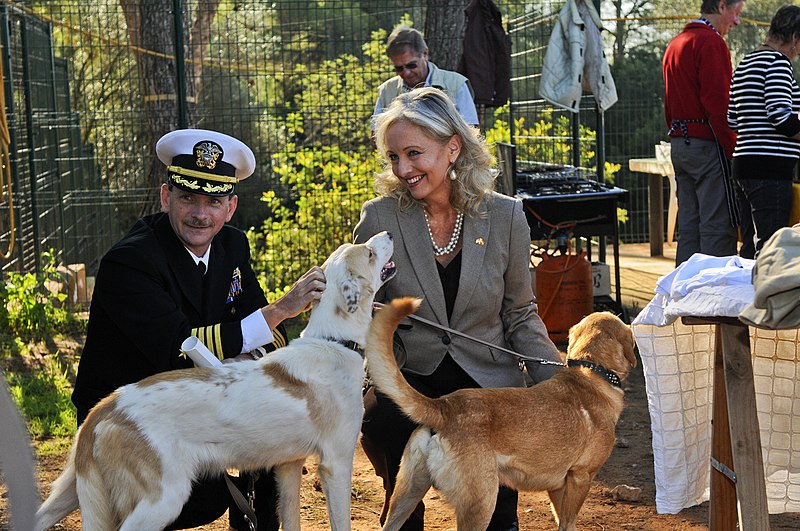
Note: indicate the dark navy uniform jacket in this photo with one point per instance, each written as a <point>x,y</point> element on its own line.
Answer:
<point>149,297</point>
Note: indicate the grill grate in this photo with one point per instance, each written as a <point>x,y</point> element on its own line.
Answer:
<point>552,180</point>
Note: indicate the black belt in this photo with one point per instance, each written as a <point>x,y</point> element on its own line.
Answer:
<point>730,194</point>
<point>682,125</point>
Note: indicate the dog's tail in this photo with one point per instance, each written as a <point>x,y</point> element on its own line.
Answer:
<point>383,369</point>
<point>63,498</point>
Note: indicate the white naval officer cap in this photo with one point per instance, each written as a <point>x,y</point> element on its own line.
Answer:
<point>205,162</point>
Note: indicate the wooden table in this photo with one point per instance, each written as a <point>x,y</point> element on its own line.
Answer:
<point>737,469</point>
<point>658,168</point>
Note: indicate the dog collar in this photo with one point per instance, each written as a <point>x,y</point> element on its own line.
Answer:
<point>352,345</point>
<point>610,376</point>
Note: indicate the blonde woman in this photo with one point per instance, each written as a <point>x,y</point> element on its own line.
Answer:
<point>464,250</point>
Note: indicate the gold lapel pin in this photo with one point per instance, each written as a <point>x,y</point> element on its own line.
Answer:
<point>479,241</point>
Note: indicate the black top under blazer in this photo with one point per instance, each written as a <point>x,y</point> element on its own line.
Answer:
<point>494,302</point>
<point>148,298</point>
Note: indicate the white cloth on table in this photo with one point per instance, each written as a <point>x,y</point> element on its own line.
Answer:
<point>678,365</point>
<point>703,286</point>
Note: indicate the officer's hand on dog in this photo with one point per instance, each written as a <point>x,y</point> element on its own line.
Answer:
<point>299,298</point>
<point>307,290</point>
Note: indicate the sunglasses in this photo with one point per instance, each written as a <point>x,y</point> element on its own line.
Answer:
<point>410,66</point>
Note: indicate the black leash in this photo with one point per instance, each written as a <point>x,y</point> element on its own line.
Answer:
<point>520,357</point>
<point>246,505</point>
<point>610,376</point>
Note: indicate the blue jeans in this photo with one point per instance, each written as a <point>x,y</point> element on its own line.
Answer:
<point>769,203</point>
<point>704,225</point>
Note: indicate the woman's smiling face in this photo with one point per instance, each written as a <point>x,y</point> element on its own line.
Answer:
<point>421,161</point>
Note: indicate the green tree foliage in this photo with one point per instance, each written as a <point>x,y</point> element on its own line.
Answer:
<point>324,173</point>
<point>322,90</point>
<point>93,39</point>
<point>638,78</point>
<point>548,139</point>
<point>328,188</point>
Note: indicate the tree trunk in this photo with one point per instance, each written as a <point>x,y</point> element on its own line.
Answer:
<point>151,30</point>
<point>619,34</point>
<point>199,40</point>
<point>444,31</point>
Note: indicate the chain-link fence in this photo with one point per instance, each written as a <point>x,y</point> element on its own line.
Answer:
<point>90,86</point>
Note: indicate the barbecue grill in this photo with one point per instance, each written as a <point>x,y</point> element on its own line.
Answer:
<point>564,202</point>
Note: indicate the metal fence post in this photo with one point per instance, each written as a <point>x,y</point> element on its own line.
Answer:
<point>26,84</point>
<point>5,42</point>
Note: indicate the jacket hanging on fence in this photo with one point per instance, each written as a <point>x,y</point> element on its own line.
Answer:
<point>486,57</point>
<point>575,60</point>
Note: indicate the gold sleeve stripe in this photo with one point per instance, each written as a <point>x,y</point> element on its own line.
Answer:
<point>217,342</point>
<point>202,336</point>
<point>211,338</point>
<point>279,341</point>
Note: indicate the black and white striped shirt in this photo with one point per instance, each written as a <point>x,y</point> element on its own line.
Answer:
<point>764,106</point>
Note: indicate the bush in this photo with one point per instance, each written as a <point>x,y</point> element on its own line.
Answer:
<point>31,308</point>
<point>328,188</point>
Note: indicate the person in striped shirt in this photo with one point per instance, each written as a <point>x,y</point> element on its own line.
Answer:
<point>763,110</point>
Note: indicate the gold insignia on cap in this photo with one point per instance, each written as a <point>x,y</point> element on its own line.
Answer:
<point>216,189</point>
<point>193,185</point>
<point>207,154</point>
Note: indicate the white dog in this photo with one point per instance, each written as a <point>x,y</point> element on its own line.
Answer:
<point>133,461</point>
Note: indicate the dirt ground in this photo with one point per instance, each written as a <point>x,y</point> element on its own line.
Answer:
<point>630,464</point>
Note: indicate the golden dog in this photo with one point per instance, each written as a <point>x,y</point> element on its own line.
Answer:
<point>552,437</point>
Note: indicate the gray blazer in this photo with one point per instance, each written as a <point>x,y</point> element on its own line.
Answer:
<point>494,302</point>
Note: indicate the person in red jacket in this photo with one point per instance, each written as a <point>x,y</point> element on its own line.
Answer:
<point>697,76</point>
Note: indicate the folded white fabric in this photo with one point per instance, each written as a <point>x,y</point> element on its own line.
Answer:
<point>776,279</point>
<point>703,286</point>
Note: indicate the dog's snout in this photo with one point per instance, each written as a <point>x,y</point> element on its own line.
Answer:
<point>389,234</point>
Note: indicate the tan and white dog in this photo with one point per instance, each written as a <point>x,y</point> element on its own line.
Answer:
<point>551,437</point>
<point>133,461</point>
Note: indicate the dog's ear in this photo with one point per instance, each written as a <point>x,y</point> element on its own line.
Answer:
<point>351,291</point>
<point>573,335</point>
<point>628,347</point>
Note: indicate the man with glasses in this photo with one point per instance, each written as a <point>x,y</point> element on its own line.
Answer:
<point>409,54</point>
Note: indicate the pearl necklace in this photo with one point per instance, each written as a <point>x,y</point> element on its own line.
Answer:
<point>447,249</point>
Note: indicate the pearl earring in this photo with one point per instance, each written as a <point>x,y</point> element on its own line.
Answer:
<point>452,173</point>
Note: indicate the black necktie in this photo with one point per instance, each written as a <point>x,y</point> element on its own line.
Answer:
<point>201,267</point>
